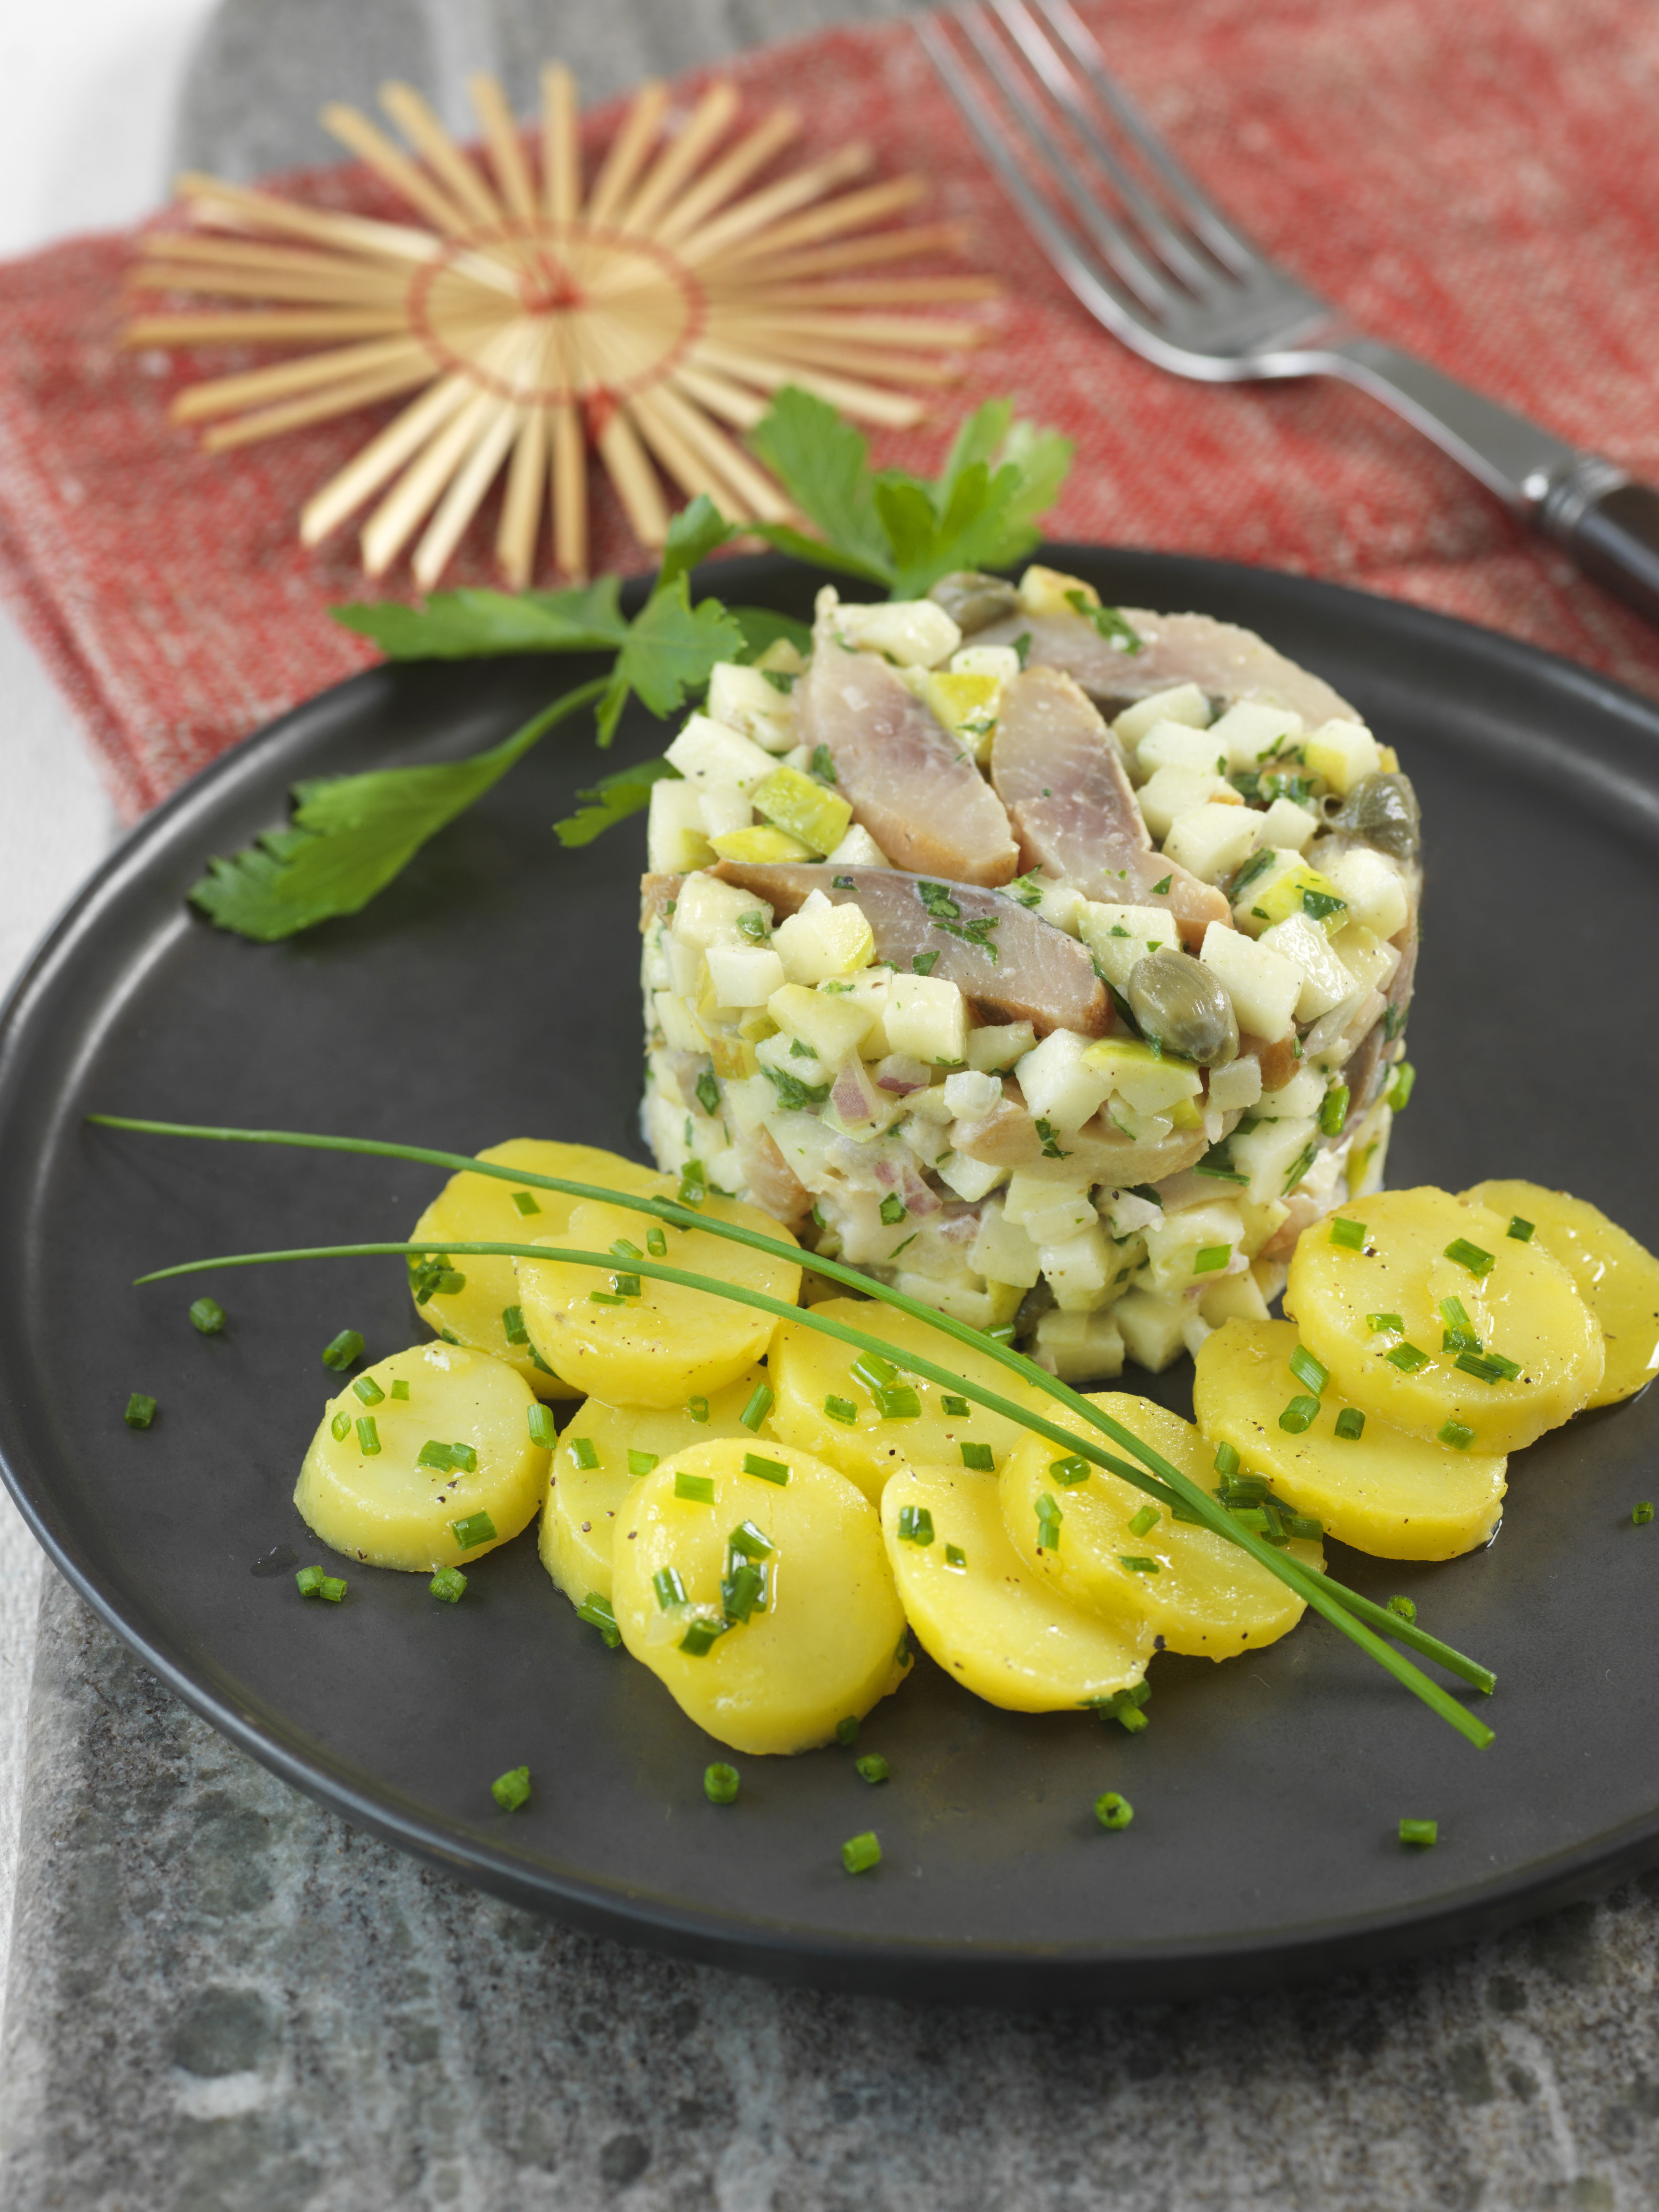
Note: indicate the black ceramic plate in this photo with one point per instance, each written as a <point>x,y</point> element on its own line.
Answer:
<point>490,993</point>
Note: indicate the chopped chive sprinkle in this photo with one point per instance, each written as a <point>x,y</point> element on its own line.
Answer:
<point>622,1249</point>
<point>346,1347</point>
<point>656,1244</point>
<point>1349,1235</point>
<point>915,1525</point>
<point>694,1184</point>
<point>1351,1424</point>
<point>449,1583</point>
<point>842,1409</point>
<point>512,1325</point>
<point>1641,1515</point>
<point>603,1299</point>
<point>1048,1518</point>
<point>1489,1366</point>
<point>511,1790</point>
<point>1000,1332</point>
<point>761,1402</point>
<point>1333,1113</point>
<point>670,1590</point>
<point>1159,890</point>
<point>1144,1522</point>
<point>752,925</point>
<point>1404,1608</point>
<point>1226,1460</point>
<point>1308,1371</point>
<point>873,1371</point>
<point>1386,1324</point>
<point>368,1390</point>
<point>309,1581</point>
<point>1299,1415</point>
<point>369,1437</point>
<point>208,1316</point>
<point>1243,1489</point>
<point>583,1452</point>
<point>700,1638</point>
<point>892,1209</point>
<point>695,1489</point>
<point>1469,1255</point>
<point>720,1784</point>
<point>859,1853</point>
<point>525,1202</point>
<point>749,1542</point>
<point>542,1431</point>
<point>1422,1833</point>
<point>642,1462</point>
<point>598,1612</point>
<point>464,1456</point>
<point>697,1408</point>
<point>1136,1565</point>
<point>400,1389</point>
<point>872,1767</point>
<point>434,1453</point>
<point>980,1457</point>
<point>846,1731</point>
<point>627,1286</point>
<point>742,1592</point>
<point>1113,1811</point>
<point>768,1470</point>
<point>955,1557</point>
<point>339,1428</point>
<point>957,1408</point>
<point>1455,1434</point>
<point>1123,1706</point>
<point>141,1410</point>
<point>476,1528</point>
<point>898,1402</point>
<point>1304,1524</point>
<point>708,1093</point>
<point>1406,1357</point>
<point>1069,1471</point>
<point>1211,1257</point>
<point>1520,1229</point>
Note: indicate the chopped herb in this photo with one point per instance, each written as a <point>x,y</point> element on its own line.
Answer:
<point>1257,865</point>
<point>1159,890</point>
<point>1386,1324</point>
<point>1471,1257</point>
<point>980,1457</point>
<point>924,963</point>
<point>708,1091</point>
<point>670,1590</point>
<point>475,1529</point>
<point>1051,1150</point>
<point>1403,1606</point>
<point>432,1276</point>
<point>892,1209</point>
<point>842,1409</point>
<point>140,1411</point>
<point>1459,1334</point>
<point>1308,1371</point>
<point>872,1767</point>
<point>1455,1434</point>
<point>1069,1471</point>
<point>915,1525</point>
<point>512,1326</point>
<point>1398,1092</point>
<point>1048,1518</point>
<point>449,1583</point>
<point>720,1784</point>
<point>846,1731</point>
<point>583,1452</point>
<point>345,1348</point>
<point>311,1581</point>
<point>339,1428</point>
<point>955,1557</point>
<point>1304,1524</point>
<point>697,1408</point>
<point>368,1390</point>
<point>1022,646</point>
<point>761,1401</point>
<point>768,1470</point>
<point>1349,1235</point>
<point>1406,1357</point>
<point>1029,889</point>
<point>822,765</point>
<point>748,1541</point>
<point>1144,1522</point>
<point>694,1177</point>
<point>958,1408</point>
<point>1211,1257</point>
<point>1421,1832</point>
<point>627,1286</point>
<point>1226,1460</point>
<point>700,1638</point>
<point>598,1612</point>
<point>1519,1228</point>
<point>897,1401</point>
<point>526,1201</point>
<point>793,1095</point>
<point>642,1462</point>
<point>1219,1162</point>
<point>606,1298</point>
<point>511,1790</point>
<point>369,1437</point>
<point>540,1421</point>
<point>843,882</point>
<point>859,1853</point>
<point>1299,1415</point>
<point>1351,1424</point>
<point>1490,1367</point>
<point>208,1316</point>
<point>1113,1811</point>
<point>1304,1160</point>
<point>695,1489</point>
<point>1320,906</point>
<point>873,1371</point>
<point>1641,1515</point>
<point>656,1244</point>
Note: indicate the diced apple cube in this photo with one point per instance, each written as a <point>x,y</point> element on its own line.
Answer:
<point>725,807</point>
<point>1178,744</point>
<point>1371,885</point>
<point>1235,1298</point>
<point>1342,752</point>
<point>1002,1252</point>
<point>824,941</point>
<point>705,751</point>
<point>1175,792</point>
<point>745,700</point>
<point>1266,867</point>
<point>832,1026</point>
<point>1151,1082</point>
<point>858,850</point>
<point>1297,1100</point>
<point>760,845</point>
<point>1080,1347</point>
<point>1060,907</point>
<point>1213,843</point>
<point>1252,732</point>
<point>1176,1243</point>
<point>999,662</point>
<point>966,705</point>
<point>926,1016</point>
<point>868,988</point>
<point>1059,1086</point>
<point>1371,959</point>
<point>1184,703</point>
<point>1325,982</point>
<point>680,1032</point>
<point>1048,591</point>
<point>1272,1155</point>
<point>709,912</point>
<point>1237,1085</point>
<point>971,1095</point>
<point>795,802</point>
<point>915,633</point>
<point>969,1178</point>
<point>1286,826</point>
<point>675,839</point>
<point>1118,936</point>
<point>1263,986</point>
<point>1048,1211</point>
<point>1078,1269</point>
<point>993,1049</point>
<point>744,975</point>
<point>1296,890</point>
<point>1150,1327</point>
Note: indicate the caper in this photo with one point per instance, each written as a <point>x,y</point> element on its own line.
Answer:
<point>973,601</point>
<point>1185,1006</point>
<point>1382,809</point>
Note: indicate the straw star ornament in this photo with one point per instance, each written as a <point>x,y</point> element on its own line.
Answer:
<point>648,316</point>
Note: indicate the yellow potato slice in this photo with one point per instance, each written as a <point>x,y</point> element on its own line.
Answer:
<point>1397,1496</point>
<point>829,1642</point>
<point>668,1344</point>
<point>385,1506</point>
<point>473,1209</point>
<point>1207,1596</point>
<point>806,1370</point>
<point>1524,1306</point>
<point>579,1519</point>
<point>1617,1278</point>
<point>1002,1631</point>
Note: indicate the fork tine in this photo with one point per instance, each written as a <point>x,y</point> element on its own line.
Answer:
<point>1149,282</point>
<point>1093,286</point>
<point>1195,269</point>
<point>1192,202</point>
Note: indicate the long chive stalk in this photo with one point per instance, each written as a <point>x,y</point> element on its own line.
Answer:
<point>1346,1610</point>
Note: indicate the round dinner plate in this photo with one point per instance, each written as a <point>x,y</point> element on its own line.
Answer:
<point>491,992</point>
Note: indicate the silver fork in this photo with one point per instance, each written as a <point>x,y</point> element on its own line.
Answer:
<point>1154,258</point>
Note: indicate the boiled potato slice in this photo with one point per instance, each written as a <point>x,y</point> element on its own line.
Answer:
<point>669,1343</point>
<point>579,1519</point>
<point>1617,1278</point>
<point>1524,1306</point>
<point>1398,1496</point>
<point>1207,1596</point>
<point>828,1642</point>
<point>1001,1631</point>
<point>808,1370</point>
<point>385,1506</point>
<point>474,1209</point>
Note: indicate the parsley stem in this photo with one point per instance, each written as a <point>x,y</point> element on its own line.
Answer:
<point>1155,1476</point>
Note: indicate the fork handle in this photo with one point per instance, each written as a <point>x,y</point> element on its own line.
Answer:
<point>1609,523</point>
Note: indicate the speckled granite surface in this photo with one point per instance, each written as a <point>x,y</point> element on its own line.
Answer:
<point>225,2000</point>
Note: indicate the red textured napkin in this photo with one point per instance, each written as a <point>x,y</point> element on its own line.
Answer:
<point>1477,182</point>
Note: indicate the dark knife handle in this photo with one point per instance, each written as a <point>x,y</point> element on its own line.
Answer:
<point>1609,523</point>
